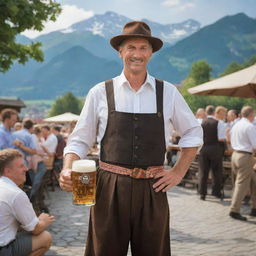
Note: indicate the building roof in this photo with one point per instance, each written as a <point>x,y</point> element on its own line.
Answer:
<point>12,102</point>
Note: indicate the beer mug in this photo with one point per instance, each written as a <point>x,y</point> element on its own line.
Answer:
<point>83,177</point>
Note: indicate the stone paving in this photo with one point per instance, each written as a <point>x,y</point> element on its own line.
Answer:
<point>197,227</point>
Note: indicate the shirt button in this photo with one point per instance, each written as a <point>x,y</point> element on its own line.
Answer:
<point>136,137</point>
<point>136,118</point>
<point>136,147</point>
<point>135,156</point>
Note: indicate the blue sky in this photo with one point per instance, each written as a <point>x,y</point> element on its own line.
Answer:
<point>169,11</point>
<point>162,11</point>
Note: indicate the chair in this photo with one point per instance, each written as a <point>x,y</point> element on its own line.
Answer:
<point>51,176</point>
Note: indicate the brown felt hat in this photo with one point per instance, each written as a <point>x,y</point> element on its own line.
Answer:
<point>137,29</point>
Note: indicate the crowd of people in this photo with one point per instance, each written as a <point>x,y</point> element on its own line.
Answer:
<point>131,116</point>
<point>27,151</point>
<point>230,135</point>
<point>41,146</point>
<point>227,133</point>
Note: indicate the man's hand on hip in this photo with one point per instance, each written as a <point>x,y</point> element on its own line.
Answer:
<point>168,179</point>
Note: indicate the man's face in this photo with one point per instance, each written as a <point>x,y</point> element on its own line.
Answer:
<point>231,116</point>
<point>222,114</point>
<point>251,117</point>
<point>16,171</point>
<point>45,132</point>
<point>135,53</point>
<point>11,121</point>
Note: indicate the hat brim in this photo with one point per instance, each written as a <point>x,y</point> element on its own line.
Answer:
<point>154,41</point>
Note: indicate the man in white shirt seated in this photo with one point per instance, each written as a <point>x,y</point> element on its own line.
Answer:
<point>16,211</point>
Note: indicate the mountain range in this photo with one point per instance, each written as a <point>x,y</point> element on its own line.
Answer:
<point>111,23</point>
<point>232,38</point>
<point>80,56</point>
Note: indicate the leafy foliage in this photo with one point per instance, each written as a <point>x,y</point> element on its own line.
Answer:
<point>234,66</point>
<point>66,103</point>
<point>15,17</point>
<point>200,72</point>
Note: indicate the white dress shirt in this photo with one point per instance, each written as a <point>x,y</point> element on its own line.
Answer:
<point>243,136</point>
<point>15,210</point>
<point>93,119</point>
<point>51,143</point>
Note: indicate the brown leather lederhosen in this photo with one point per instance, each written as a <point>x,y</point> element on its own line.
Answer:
<point>129,209</point>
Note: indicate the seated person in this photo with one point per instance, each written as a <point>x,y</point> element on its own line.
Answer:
<point>16,211</point>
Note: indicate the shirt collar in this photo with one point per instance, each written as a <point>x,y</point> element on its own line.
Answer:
<point>211,116</point>
<point>7,180</point>
<point>150,81</point>
<point>245,120</point>
<point>5,129</point>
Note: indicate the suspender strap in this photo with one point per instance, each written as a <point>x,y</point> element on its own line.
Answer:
<point>159,96</point>
<point>110,95</point>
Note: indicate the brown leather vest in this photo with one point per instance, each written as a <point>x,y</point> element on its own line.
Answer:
<point>134,139</point>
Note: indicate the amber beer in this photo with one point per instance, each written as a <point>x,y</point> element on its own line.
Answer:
<point>84,182</point>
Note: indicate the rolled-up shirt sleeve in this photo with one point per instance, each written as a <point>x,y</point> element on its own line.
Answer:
<point>84,134</point>
<point>185,123</point>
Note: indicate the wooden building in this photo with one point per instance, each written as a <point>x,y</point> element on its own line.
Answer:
<point>16,104</point>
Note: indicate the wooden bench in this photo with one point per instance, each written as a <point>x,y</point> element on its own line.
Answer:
<point>191,176</point>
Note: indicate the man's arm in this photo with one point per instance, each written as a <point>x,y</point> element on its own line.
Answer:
<point>28,150</point>
<point>81,139</point>
<point>174,176</point>
<point>24,213</point>
<point>45,220</point>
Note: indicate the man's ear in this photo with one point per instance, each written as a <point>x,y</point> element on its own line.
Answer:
<point>6,171</point>
<point>120,54</point>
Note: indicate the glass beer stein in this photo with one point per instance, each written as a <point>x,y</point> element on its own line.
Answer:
<point>84,182</point>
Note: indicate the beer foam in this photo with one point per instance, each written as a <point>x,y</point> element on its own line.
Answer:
<point>84,165</point>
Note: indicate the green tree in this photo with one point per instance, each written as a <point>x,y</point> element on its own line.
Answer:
<point>250,62</point>
<point>15,17</point>
<point>200,72</point>
<point>66,103</point>
<point>232,67</point>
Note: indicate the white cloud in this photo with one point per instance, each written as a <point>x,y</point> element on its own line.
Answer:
<point>177,4</point>
<point>70,14</point>
<point>171,3</point>
<point>186,6</point>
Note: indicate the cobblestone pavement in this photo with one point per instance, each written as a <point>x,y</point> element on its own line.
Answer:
<point>197,227</point>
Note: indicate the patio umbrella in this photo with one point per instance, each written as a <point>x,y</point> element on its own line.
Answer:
<point>238,84</point>
<point>63,118</point>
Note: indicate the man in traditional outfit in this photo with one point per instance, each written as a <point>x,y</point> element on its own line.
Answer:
<point>131,117</point>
